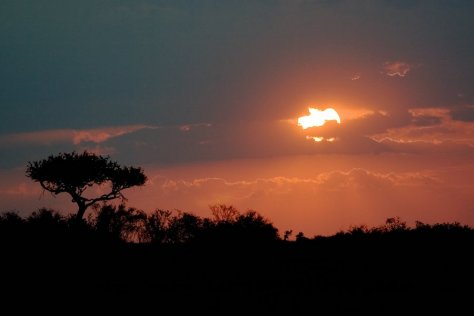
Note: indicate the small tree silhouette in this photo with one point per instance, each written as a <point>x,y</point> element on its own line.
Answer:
<point>394,224</point>
<point>120,223</point>
<point>157,225</point>
<point>74,173</point>
<point>184,227</point>
<point>224,213</point>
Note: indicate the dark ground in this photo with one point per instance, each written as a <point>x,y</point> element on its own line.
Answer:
<point>404,272</point>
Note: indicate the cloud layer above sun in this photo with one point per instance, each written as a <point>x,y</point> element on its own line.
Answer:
<point>432,130</point>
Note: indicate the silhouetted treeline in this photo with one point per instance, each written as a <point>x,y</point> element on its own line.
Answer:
<point>231,264</point>
<point>127,224</point>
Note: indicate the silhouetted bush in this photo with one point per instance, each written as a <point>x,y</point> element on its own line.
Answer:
<point>184,227</point>
<point>230,227</point>
<point>12,227</point>
<point>157,227</point>
<point>120,223</point>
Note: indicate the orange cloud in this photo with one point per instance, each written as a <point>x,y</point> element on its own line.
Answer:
<point>357,178</point>
<point>323,203</point>
<point>355,77</point>
<point>396,68</point>
<point>430,125</point>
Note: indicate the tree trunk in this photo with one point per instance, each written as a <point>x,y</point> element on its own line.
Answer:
<point>81,211</point>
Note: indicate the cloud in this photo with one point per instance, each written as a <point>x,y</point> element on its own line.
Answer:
<point>188,127</point>
<point>356,178</point>
<point>361,131</point>
<point>204,191</point>
<point>463,113</point>
<point>241,140</point>
<point>19,148</point>
<point>355,77</point>
<point>101,135</point>
<point>396,68</point>
<point>325,202</point>
<point>264,139</point>
<point>309,193</point>
<point>431,126</point>
<point>425,117</point>
<point>75,137</point>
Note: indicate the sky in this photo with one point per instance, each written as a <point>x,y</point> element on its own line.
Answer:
<point>205,96</point>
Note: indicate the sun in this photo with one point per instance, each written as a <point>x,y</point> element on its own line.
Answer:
<point>318,118</point>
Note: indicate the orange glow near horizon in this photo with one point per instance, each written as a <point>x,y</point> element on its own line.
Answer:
<point>317,118</point>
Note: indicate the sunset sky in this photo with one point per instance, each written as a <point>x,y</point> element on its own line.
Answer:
<point>206,96</point>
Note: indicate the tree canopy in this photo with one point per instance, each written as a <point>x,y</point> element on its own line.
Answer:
<point>74,173</point>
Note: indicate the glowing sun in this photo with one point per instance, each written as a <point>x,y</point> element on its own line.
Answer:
<point>318,118</point>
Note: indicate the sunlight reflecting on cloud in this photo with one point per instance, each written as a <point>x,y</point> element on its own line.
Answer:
<point>396,68</point>
<point>430,125</point>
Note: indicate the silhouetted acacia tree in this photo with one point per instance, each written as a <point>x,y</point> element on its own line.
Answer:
<point>74,173</point>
